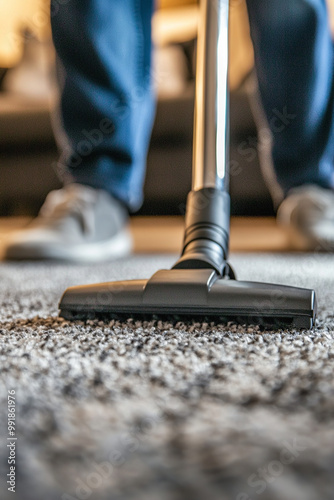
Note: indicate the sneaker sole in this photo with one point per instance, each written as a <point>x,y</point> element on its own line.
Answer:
<point>306,243</point>
<point>119,246</point>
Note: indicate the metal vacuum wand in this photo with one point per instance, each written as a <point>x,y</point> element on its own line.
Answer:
<point>211,127</point>
<point>207,230</point>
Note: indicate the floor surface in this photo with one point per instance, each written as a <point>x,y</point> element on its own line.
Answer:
<point>161,410</point>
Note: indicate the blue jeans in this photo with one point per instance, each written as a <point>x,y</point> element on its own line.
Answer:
<point>294,63</point>
<point>107,101</point>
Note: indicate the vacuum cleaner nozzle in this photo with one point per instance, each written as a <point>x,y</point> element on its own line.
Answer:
<point>194,293</point>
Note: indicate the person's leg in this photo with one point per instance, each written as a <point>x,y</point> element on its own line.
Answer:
<point>294,65</point>
<point>106,113</point>
<point>107,103</point>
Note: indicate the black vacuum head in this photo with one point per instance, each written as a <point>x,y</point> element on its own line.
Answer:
<point>194,293</point>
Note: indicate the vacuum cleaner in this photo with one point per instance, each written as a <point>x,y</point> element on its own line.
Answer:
<point>202,283</point>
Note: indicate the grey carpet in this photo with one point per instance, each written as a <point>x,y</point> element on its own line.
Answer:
<point>161,410</point>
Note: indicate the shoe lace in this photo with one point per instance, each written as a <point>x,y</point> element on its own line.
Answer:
<point>71,200</point>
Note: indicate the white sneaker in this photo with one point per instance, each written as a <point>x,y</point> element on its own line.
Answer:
<point>308,213</point>
<point>76,223</point>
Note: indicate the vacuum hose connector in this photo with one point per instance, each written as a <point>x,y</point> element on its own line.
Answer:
<point>206,239</point>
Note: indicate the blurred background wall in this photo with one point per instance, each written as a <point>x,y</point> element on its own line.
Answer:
<point>28,94</point>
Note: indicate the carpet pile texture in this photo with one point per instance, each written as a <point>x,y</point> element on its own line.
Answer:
<point>161,410</point>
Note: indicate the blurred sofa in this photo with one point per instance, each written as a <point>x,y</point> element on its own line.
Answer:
<point>28,149</point>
